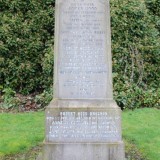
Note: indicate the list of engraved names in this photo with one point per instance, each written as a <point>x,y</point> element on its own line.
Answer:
<point>83,126</point>
<point>82,59</point>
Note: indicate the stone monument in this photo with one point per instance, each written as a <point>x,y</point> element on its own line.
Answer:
<point>83,122</point>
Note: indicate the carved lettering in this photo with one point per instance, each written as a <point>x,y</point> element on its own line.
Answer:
<point>83,126</point>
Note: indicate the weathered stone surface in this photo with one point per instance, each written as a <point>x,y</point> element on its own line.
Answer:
<point>92,123</point>
<point>83,122</point>
<point>83,130</point>
<point>83,50</point>
<point>84,151</point>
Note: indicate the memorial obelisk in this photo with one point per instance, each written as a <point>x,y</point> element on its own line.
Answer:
<point>83,122</point>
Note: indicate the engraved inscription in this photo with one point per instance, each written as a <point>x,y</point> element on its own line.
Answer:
<point>83,67</point>
<point>83,126</point>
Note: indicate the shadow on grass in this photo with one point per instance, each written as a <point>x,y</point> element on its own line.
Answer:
<point>28,155</point>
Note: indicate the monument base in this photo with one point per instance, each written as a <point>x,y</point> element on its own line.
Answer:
<point>84,151</point>
<point>83,130</point>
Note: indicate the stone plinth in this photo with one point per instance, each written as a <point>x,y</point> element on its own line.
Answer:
<point>84,151</point>
<point>83,130</point>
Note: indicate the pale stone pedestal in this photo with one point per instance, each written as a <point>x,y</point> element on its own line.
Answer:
<point>83,123</point>
<point>83,130</point>
<point>84,151</point>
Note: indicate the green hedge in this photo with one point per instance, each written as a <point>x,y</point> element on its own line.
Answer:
<point>26,40</point>
<point>136,54</point>
<point>26,49</point>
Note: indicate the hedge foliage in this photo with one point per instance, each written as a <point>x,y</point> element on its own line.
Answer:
<point>26,40</point>
<point>26,49</point>
<point>136,53</point>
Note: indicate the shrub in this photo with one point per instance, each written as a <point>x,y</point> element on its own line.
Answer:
<point>9,99</point>
<point>154,9</point>
<point>26,37</point>
<point>136,59</point>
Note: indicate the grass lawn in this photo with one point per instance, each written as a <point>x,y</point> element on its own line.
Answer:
<point>22,131</point>
<point>19,132</point>
<point>142,128</point>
